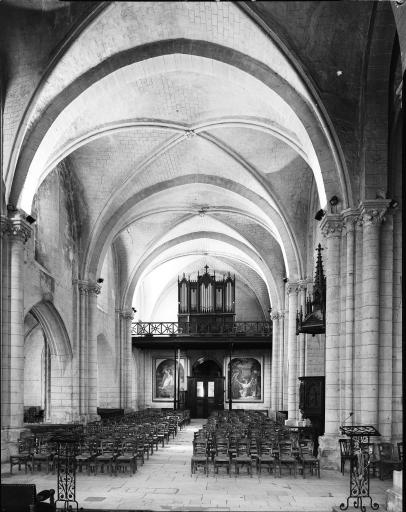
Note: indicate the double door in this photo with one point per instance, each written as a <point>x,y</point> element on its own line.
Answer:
<point>205,394</point>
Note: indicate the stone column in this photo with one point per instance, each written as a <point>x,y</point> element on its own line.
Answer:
<point>126,400</point>
<point>292,352</point>
<point>15,233</point>
<point>331,227</point>
<point>386,309</point>
<point>93,291</point>
<point>275,361</point>
<point>83,349</point>
<point>88,366</point>
<point>350,219</point>
<point>372,215</point>
<point>281,358</point>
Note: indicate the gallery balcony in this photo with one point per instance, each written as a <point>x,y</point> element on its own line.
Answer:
<point>151,334</point>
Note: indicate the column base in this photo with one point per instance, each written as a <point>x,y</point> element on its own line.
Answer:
<point>394,499</point>
<point>9,438</point>
<point>329,452</point>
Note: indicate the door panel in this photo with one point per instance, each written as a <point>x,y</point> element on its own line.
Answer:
<point>205,395</point>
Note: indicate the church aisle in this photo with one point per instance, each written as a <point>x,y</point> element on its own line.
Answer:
<point>164,483</point>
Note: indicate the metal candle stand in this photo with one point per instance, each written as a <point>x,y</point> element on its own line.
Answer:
<point>67,449</point>
<point>359,465</point>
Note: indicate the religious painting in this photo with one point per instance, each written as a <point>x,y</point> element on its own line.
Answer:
<point>163,378</point>
<point>246,379</point>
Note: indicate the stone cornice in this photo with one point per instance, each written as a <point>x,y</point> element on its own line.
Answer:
<point>332,225</point>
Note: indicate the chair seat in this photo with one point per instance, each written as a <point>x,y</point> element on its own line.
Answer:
<point>221,459</point>
<point>199,458</point>
<point>266,458</point>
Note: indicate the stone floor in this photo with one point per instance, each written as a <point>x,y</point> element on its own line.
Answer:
<point>164,483</point>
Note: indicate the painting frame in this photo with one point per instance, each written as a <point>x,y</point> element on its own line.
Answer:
<point>162,372</point>
<point>245,379</point>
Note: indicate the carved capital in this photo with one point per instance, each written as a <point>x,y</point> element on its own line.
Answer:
<point>275,316</point>
<point>292,288</point>
<point>332,225</point>
<point>373,211</point>
<point>126,314</point>
<point>88,287</point>
<point>16,229</point>
<point>351,217</point>
<point>302,285</point>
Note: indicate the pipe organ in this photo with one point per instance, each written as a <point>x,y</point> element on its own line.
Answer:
<point>206,304</point>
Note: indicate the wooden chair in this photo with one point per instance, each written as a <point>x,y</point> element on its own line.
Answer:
<point>24,455</point>
<point>107,455</point>
<point>200,457</point>
<point>345,452</point>
<point>86,456</point>
<point>221,456</point>
<point>306,458</point>
<point>266,456</point>
<point>126,457</point>
<point>387,461</point>
<point>243,456</point>
<point>42,455</point>
<point>24,498</point>
<point>286,458</point>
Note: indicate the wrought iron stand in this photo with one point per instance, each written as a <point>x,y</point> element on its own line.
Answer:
<point>359,465</point>
<point>67,445</point>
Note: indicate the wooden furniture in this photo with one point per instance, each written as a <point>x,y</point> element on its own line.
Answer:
<point>24,498</point>
<point>266,456</point>
<point>221,457</point>
<point>387,461</point>
<point>345,452</point>
<point>286,458</point>
<point>24,455</point>
<point>243,456</point>
<point>199,457</point>
<point>312,405</point>
<point>307,459</point>
<point>126,457</point>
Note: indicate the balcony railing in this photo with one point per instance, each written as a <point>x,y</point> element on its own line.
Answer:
<point>149,329</point>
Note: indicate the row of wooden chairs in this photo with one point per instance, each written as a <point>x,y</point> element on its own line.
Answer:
<point>245,453</point>
<point>112,445</point>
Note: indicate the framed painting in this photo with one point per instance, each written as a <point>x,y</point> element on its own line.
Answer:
<point>246,379</point>
<point>163,379</point>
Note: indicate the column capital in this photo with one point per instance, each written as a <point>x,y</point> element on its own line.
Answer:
<point>332,225</point>
<point>15,228</point>
<point>351,217</point>
<point>275,316</point>
<point>126,313</point>
<point>373,211</point>
<point>302,285</point>
<point>87,287</point>
<point>292,288</point>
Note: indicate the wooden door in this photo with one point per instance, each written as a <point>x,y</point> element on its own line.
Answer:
<point>205,395</point>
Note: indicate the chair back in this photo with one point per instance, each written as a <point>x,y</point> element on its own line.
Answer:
<point>345,447</point>
<point>386,451</point>
<point>285,449</point>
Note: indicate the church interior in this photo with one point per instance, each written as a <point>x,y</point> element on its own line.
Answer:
<point>201,222</point>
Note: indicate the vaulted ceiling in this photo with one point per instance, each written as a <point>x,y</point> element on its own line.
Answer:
<point>195,137</point>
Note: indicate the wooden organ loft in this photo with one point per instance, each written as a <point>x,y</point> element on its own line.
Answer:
<point>207,304</point>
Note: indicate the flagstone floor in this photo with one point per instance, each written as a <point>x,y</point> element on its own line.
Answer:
<point>164,483</point>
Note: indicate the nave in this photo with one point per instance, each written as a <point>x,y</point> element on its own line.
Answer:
<point>164,483</point>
